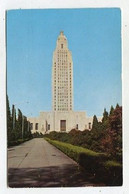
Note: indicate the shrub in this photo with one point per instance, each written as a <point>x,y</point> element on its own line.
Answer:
<point>113,171</point>
<point>96,163</point>
<point>37,135</point>
<point>18,141</point>
<point>85,157</point>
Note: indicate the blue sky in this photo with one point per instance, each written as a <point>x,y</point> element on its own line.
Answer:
<point>94,38</point>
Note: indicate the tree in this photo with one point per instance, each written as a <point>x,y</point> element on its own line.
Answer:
<point>15,125</point>
<point>13,117</point>
<point>19,124</point>
<point>9,120</point>
<point>8,115</point>
<point>112,142</point>
<point>27,131</point>
<point>117,105</point>
<point>111,110</point>
<point>105,116</point>
<point>95,123</point>
<point>105,120</point>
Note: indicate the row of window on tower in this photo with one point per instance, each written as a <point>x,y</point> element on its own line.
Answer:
<point>62,51</point>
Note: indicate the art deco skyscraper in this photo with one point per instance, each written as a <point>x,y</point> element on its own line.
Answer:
<point>62,118</point>
<point>62,76</point>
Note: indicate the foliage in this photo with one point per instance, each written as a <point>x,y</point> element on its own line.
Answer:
<point>112,141</point>
<point>95,123</point>
<point>18,141</point>
<point>96,163</point>
<point>9,120</point>
<point>105,116</point>
<point>37,135</point>
<point>111,110</point>
<point>17,128</point>
<point>105,136</point>
<point>111,163</point>
<point>113,170</point>
<point>74,151</point>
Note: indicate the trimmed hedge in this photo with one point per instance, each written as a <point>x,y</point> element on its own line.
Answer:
<point>74,150</point>
<point>113,173</point>
<point>96,163</point>
<point>17,142</point>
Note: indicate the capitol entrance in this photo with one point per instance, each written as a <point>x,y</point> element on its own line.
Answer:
<point>62,125</point>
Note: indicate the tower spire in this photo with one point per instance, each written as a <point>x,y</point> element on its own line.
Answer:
<point>62,81</point>
<point>62,32</point>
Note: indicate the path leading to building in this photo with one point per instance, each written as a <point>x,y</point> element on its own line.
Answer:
<point>37,163</point>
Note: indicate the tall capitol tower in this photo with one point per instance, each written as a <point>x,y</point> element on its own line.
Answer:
<point>62,76</point>
<point>61,118</point>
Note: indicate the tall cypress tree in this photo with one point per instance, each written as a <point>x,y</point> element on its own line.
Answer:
<point>111,110</point>
<point>117,105</point>
<point>15,125</point>
<point>13,117</point>
<point>9,120</point>
<point>8,114</point>
<point>95,123</point>
<point>105,116</point>
<point>19,122</point>
<point>26,130</point>
<point>105,120</point>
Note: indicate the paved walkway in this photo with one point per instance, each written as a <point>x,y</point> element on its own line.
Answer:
<point>37,163</point>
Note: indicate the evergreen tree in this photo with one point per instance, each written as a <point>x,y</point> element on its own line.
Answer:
<point>105,116</point>
<point>105,121</point>
<point>9,120</point>
<point>16,125</point>
<point>8,115</point>
<point>111,110</point>
<point>95,123</point>
<point>13,117</point>
<point>117,105</point>
<point>19,123</point>
<point>112,141</point>
<point>26,128</point>
<point>29,130</point>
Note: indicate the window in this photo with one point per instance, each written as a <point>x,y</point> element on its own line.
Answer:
<point>63,125</point>
<point>76,126</point>
<point>89,125</point>
<point>31,126</point>
<point>48,126</point>
<point>61,45</point>
<point>36,126</point>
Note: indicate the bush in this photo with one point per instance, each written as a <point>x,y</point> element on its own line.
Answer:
<point>112,173</point>
<point>105,136</point>
<point>18,141</point>
<point>85,157</point>
<point>37,135</point>
<point>96,163</point>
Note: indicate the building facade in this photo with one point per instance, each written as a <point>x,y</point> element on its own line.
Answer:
<point>62,118</point>
<point>62,76</point>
